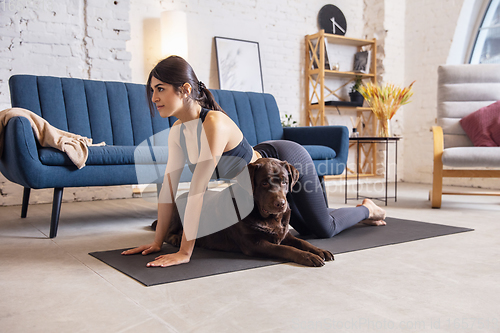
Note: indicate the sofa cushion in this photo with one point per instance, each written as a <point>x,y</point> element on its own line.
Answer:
<point>320,152</point>
<point>483,126</point>
<point>256,114</point>
<point>472,157</point>
<point>108,155</point>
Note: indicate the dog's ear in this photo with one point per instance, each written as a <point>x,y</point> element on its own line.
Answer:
<point>293,175</point>
<point>252,169</point>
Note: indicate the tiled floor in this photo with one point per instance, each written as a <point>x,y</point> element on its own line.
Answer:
<point>443,284</point>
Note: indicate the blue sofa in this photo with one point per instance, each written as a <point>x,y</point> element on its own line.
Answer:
<point>118,113</point>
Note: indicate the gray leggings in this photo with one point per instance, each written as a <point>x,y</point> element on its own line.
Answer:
<point>310,213</point>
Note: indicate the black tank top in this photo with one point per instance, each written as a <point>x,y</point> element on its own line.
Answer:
<point>231,162</point>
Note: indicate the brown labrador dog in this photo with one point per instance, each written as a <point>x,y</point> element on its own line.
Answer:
<point>264,232</point>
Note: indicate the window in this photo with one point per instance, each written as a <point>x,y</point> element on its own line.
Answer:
<point>486,49</point>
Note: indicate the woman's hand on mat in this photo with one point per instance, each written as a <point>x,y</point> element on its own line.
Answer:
<point>170,260</point>
<point>145,249</point>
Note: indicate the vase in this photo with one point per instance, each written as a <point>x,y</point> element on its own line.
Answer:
<point>384,128</point>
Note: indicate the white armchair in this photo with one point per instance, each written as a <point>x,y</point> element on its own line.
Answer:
<point>462,89</point>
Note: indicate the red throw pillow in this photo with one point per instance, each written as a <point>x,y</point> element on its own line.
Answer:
<point>483,126</point>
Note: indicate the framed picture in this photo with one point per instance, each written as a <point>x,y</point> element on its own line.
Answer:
<point>362,62</point>
<point>238,63</point>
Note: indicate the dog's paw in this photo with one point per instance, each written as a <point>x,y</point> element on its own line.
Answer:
<point>324,254</point>
<point>174,240</point>
<point>153,225</point>
<point>311,260</point>
<point>327,255</point>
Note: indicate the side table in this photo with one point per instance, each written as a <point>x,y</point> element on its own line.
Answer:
<point>386,140</point>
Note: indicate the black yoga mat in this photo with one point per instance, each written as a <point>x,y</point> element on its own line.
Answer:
<point>206,262</point>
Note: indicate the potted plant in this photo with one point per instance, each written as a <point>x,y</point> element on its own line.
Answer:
<point>354,94</point>
<point>288,122</point>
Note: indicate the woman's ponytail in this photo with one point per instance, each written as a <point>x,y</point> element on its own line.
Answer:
<point>206,99</point>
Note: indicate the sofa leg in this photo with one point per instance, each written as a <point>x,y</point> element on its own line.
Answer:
<point>26,200</point>
<point>56,210</point>
<point>322,182</point>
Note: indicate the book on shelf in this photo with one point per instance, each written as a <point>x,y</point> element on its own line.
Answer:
<point>314,64</point>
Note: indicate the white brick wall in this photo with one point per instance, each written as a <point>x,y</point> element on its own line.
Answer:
<point>64,38</point>
<point>69,38</point>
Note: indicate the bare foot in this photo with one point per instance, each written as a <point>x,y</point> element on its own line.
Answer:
<point>377,214</point>
<point>373,222</point>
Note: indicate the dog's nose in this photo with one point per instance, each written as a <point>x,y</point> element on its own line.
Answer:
<point>280,203</point>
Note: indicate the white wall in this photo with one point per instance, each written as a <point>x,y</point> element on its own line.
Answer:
<point>430,26</point>
<point>430,30</point>
<point>102,40</point>
<point>278,26</point>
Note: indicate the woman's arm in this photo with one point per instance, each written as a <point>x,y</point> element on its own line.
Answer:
<point>214,138</point>
<point>175,165</point>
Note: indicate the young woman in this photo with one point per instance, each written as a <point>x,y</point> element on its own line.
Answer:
<point>176,91</point>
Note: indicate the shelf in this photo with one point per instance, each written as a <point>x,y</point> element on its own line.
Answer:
<point>341,74</point>
<point>337,39</point>
<point>358,108</point>
<point>318,87</point>
<point>333,107</point>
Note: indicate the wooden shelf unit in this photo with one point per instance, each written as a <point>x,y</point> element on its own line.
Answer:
<point>340,74</point>
<point>315,78</point>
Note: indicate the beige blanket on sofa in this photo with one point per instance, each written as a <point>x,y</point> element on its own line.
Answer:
<point>74,145</point>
